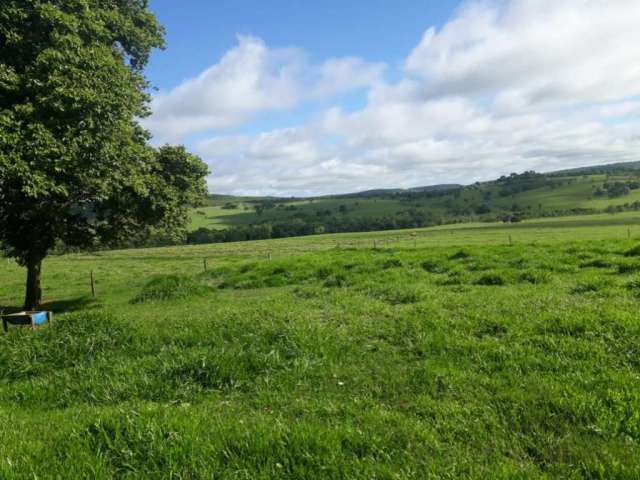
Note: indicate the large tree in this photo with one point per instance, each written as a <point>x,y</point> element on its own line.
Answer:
<point>75,165</point>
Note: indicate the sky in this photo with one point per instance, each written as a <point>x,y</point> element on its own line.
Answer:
<point>300,98</point>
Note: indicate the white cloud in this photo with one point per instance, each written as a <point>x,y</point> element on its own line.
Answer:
<point>337,75</point>
<point>534,51</point>
<point>250,79</point>
<point>503,86</point>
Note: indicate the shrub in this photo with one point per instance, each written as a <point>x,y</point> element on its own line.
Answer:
<point>170,287</point>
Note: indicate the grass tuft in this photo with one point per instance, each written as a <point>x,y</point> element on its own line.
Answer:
<point>628,267</point>
<point>432,266</point>
<point>591,286</point>
<point>491,279</point>
<point>535,277</point>
<point>170,287</point>
<point>392,263</point>
<point>459,255</point>
<point>633,252</point>
<point>597,263</point>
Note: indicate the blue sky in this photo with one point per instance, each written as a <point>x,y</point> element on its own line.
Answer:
<point>199,32</point>
<point>301,98</point>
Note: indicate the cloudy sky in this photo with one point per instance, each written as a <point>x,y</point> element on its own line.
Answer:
<point>301,98</point>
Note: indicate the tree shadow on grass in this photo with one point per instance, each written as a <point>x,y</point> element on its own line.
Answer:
<point>58,306</point>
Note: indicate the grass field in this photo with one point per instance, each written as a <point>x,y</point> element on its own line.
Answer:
<point>466,351</point>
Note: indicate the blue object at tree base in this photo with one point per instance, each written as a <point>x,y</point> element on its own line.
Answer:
<point>35,319</point>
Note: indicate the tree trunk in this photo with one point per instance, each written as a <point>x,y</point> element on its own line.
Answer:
<point>33,296</point>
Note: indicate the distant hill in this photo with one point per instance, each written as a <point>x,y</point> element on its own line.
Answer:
<point>393,191</point>
<point>514,197</point>
<point>610,168</point>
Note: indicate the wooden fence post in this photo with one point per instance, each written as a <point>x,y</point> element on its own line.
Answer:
<point>93,286</point>
<point>204,264</point>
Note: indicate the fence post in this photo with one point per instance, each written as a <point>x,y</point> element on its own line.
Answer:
<point>93,286</point>
<point>204,264</point>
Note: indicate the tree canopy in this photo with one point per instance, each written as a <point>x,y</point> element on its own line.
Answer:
<point>75,165</point>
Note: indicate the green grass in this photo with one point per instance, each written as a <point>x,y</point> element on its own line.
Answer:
<point>463,356</point>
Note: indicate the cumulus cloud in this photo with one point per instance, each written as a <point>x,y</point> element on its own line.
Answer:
<point>251,79</point>
<point>504,85</point>
<point>534,51</point>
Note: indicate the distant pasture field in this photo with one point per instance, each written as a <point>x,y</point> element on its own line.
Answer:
<point>465,351</point>
<point>573,192</point>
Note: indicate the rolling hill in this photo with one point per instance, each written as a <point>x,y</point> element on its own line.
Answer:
<point>599,189</point>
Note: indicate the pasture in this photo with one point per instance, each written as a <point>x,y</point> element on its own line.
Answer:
<point>569,193</point>
<point>465,351</point>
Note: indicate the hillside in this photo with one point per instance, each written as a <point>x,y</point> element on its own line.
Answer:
<point>608,188</point>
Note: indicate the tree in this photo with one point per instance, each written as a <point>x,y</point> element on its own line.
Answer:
<point>75,165</point>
